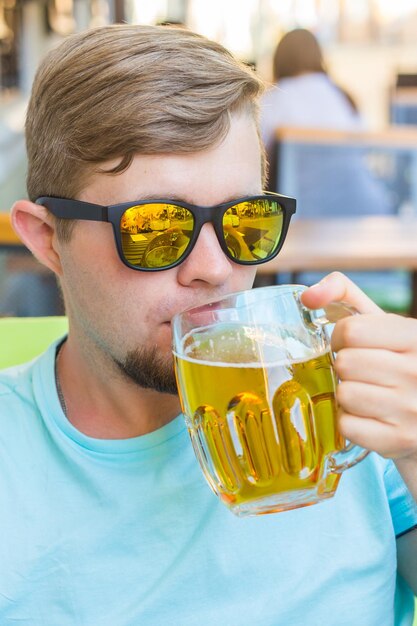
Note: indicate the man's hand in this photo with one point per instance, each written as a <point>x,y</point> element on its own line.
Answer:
<point>376,362</point>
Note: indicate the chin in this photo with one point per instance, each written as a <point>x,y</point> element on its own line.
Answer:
<point>150,368</point>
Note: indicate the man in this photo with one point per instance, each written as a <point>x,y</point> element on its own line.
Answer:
<point>106,517</point>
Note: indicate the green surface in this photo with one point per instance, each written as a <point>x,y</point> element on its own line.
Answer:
<point>23,338</point>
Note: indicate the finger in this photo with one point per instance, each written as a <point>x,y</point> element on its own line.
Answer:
<point>388,440</point>
<point>336,287</point>
<point>367,400</point>
<point>387,332</point>
<point>376,367</point>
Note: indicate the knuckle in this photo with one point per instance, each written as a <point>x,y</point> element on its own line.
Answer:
<point>342,363</point>
<point>411,405</point>
<point>349,330</point>
<point>407,407</point>
<point>337,275</point>
<point>349,427</point>
<point>406,440</point>
<point>406,364</point>
<point>412,332</point>
<point>343,394</point>
<point>413,374</point>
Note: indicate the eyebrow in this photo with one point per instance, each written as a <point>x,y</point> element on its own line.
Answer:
<point>172,197</point>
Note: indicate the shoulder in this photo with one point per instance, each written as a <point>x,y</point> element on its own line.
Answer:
<point>23,407</point>
<point>16,388</point>
<point>12,377</point>
<point>402,506</point>
<point>21,385</point>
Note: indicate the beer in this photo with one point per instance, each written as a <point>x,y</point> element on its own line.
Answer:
<point>263,425</point>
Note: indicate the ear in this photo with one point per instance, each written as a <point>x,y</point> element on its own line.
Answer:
<point>36,228</point>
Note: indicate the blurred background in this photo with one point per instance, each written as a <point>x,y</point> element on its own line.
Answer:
<point>369,49</point>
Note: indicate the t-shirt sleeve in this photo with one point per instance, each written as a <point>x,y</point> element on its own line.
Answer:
<point>402,504</point>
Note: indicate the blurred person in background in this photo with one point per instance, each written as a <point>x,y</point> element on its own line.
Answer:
<point>331,182</point>
<point>106,517</point>
<point>304,94</point>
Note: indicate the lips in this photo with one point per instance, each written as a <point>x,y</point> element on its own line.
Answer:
<point>203,315</point>
<point>203,307</point>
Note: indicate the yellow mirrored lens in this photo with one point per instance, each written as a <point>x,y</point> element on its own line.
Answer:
<point>155,235</point>
<point>252,229</point>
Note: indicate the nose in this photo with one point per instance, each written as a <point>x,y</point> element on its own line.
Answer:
<point>207,262</point>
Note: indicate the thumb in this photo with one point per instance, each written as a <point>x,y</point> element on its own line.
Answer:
<point>336,287</point>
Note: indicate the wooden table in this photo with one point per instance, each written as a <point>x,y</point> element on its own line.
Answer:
<point>369,243</point>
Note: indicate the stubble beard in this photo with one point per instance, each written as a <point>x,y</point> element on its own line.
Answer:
<point>150,369</point>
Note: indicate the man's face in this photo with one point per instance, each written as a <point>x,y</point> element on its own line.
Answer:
<point>126,314</point>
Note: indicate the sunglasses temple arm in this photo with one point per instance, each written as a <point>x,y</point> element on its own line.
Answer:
<point>74,209</point>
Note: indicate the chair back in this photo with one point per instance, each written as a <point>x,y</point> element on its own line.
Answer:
<point>23,338</point>
<point>347,174</point>
<point>336,174</point>
<point>403,104</point>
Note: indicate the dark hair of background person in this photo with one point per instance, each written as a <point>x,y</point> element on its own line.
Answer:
<point>299,52</point>
<point>173,23</point>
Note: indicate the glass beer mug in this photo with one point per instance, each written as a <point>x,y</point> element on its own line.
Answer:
<point>257,387</point>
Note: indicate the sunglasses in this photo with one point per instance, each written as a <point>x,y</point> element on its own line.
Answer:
<point>156,235</point>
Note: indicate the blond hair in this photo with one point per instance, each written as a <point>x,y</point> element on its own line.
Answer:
<point>116,91</point>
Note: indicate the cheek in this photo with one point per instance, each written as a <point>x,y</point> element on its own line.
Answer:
<point>111,304</point>
<point>93,275</point>
<point>91,262</point>
<point>103,292</point>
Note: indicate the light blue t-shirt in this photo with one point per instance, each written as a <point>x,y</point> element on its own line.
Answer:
<point>127,533</point>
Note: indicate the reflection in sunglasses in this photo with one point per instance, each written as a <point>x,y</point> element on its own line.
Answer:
<point>156,235</point>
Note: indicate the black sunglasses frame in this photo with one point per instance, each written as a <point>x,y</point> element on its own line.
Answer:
<point>79,210</point>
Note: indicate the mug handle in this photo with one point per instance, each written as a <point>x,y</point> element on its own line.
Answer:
<point>351,454</point>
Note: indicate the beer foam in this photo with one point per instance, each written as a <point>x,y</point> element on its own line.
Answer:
<point>244,346</point>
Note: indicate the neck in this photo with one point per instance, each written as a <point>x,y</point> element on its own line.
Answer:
<point>102,403</point>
